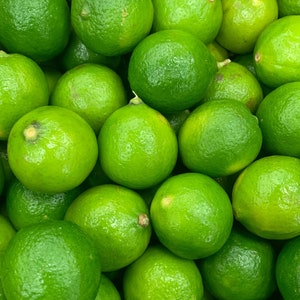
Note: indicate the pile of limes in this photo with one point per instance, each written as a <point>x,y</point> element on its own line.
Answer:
<point>150,149</point>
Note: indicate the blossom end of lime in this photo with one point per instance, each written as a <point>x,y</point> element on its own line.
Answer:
<point>31,132</point>
<point>144,220</point>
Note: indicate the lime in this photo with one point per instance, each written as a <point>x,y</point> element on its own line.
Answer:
<point>137,146</point>
<point>2,178</point>
<point>177,118</point>
<point>243,21</point>
<point>111,27</point>
<point>201,18</point>
<point>160,274</point>
<point>244,268</point>
<point>234,81</point>
<point>288,269</point>
<point>91,90</point>
<point>288,7</point>
<point>277,52</point>
<point>117,219</point>
<point>38,29</point>
<point>51,260</point>
<point>23,87</point>
<point>187,204</point>
<point>278,116</point>
<point>7,232</point>
<point>219,138</point>
<point>107,290</point>
<point>265,197</point>
<point>52,149</point>
<point>219,52</point>
<point>170,70</point>
<point>25,207</point>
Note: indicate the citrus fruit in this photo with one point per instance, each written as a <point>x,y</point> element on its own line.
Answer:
<point>52,75</point>
<point>137,146</point>
<point>243,269</point>
<point>7,232</point>
<point>37,29</point>
<point>25,207</point>
<point>52,149</point>
<point>23,87</point>
<point>288,269</point>
<point>277,52</point>
<point>219,52</point>
<point>117,219</point>
<point>107,290</point>
<point>51,260</point>
<point>111,27</point>
<point>201,18</point>
<point>243,21</point>
<point>234,81</point>
<point>170,70</point>
<point>160,274</point>
<point>278,117</point>
<point>76,53</point>
<point>288,7</point>
<point>219,138</point>
<point>91,90</point>
<point>177,118</point>
<point>191,215</point>
<point>265,197</point>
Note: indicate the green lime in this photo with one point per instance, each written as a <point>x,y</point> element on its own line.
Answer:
<point>51,260</point>
<point>288,7</point>
<point>243,21</point>
<point>219,138</point>
<point>111,27</point>
<point>187,204</point>
<point>244,268</point>
<point>107,290</point>
<point>265,197</point>
<point>219,52</point>
<point>25,207</point>
<point>117,219</point>
<point>38,29</point>
<point>201,18</point>
<point>160,274</point>
<point>288,269</point>
<point>137,146</point>
<point>23,87</point>
<point>171,70</point>
<point>52,149</point>
<point>277,52</point>
<point>234,81</point>
<point>7,232</point>
<point>278,117</point>
<point>91,90</point>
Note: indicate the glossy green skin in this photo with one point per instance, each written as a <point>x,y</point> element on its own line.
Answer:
<point>61,156</point>
<point>159,274</point>
<point>170,70</point>
<point>265,197</point>
<point>191,215</point>
<point>277,52</point>
<point>288,269</point>
<point>107,290</point>
<point>38,29</point>
<point>51,260</point>
<point>7,232</point>
<point>243,269</point>
<point>110,215</point>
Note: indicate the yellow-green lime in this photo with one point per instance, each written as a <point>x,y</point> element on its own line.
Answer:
<point>7,232</point>
<point>277,52</point>
<point>243,269</point>
<point>201,18</point>
<point>118,221</point>
<point>137,146</point>
<point>111,27</point>
<point>160,274</point>
<point>288,269</point>
<point>191,215</point>
<point>278,117</point>
<point>243,21</point>
<point>171,70</point>
<point>288,7</point>
<point>76,53</point>
<point>91,90</point>
<point>219,52</point>
<point>23,87</point>
<point>25,207</point>
<point>38,29</point>
<point>52,149</point>
<point>265,197</point>
<point>51,260</point>
<point>219,138</point>
<point>107,290</point>
<point>234,81</point>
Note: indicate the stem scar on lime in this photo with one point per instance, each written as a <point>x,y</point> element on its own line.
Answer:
<point>31,132</point>
<point>144,220</point>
